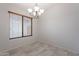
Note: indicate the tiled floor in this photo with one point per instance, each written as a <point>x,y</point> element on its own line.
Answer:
<point>38,49</point>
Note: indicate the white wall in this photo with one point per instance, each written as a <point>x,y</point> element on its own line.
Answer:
<point>60,25</point>
<point>5,43</point>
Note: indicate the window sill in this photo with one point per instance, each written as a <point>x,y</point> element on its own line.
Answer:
<point>19,37</point>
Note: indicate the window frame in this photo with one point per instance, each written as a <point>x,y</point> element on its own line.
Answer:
<point>30,18</point>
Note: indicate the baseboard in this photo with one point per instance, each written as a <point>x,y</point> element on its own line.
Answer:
<point>5,50</point>
<point>54,43</point>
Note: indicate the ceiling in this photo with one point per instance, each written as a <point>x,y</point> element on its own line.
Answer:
<point>31,5</point>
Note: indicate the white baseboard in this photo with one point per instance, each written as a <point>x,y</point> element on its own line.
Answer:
<point>3,52</point>
<point>54,43</point>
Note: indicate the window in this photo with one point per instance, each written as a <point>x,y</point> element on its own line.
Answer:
<point>15,26</point>
<point>26,26</point>
<point>20,25</point>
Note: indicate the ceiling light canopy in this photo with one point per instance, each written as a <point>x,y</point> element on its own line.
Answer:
<point>36,11</point>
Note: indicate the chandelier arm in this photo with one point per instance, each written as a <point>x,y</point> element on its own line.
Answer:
<point>36,11</point>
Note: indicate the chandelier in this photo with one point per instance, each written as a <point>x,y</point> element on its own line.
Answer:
<point>36,11</point>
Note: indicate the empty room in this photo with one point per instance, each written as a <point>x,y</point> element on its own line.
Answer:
<point>39,29</point>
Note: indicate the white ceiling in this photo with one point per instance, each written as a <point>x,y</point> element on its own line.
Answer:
<point>31,5</point>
